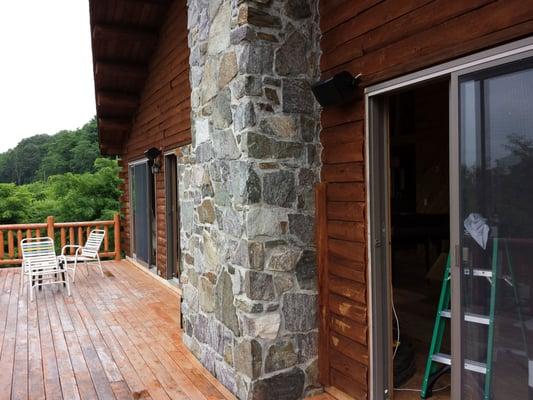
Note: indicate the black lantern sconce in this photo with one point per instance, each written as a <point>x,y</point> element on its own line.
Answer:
<point>152,154</point>
<point>339,89</point>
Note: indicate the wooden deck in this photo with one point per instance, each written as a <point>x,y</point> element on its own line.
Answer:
<point>117,337</point>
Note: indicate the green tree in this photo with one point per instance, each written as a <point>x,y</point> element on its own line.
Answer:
<point>85,197</point>
<point>3,168</point>
<point>14,203</point>
<point>20,163</point>
<point>41,156</point>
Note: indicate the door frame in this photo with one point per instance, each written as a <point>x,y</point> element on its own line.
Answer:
<point>378,233</point>
<point>172,214</point>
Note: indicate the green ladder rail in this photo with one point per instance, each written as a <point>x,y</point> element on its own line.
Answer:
<point>437,359</point>
<point>513,283</point>
<point>432,372</point>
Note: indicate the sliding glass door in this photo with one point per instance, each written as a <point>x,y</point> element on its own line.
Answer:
<point>492,230</point>
<point>140,179</point>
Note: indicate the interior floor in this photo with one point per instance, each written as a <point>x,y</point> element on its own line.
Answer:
<point>441,391</point>
<point>416,297</point>
<point>419,205</point>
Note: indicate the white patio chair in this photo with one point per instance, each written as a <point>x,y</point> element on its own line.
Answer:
<point>87,253</point>
<point>40,265</point>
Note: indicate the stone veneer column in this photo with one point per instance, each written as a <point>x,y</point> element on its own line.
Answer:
<point>246,191</point>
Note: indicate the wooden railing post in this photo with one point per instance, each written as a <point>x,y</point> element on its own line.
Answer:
<point>116,221</point>
<point>19,239</point>
<point>10,244</point>
<point>50,227</point>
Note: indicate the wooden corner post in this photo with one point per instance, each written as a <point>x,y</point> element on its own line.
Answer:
<point>116,220</point>
<point>321,247</point>
<point>50,222</point>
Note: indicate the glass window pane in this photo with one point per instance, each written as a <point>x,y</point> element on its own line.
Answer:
<point>141,208</point>
<point>496,128</point>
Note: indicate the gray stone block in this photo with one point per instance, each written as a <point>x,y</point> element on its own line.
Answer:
<point>259,286</point>
<point>224,308</point>
<point>222,116</point>
<point>299,311</point>
<point>225,145</point>
<point>291,57</point>
<point>297,96</point>
<point>287,385</point>
<point>256,59</point>
<point>298,9</point>
<point>280,355</point>
<point>283,258</point>
<point>302,226</point>
<point>244,116</point>
<point>279,188</point>
<point>306,271</point>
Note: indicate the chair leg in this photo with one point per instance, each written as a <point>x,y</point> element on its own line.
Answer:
<point>100,265</point>
<point>30,289</point>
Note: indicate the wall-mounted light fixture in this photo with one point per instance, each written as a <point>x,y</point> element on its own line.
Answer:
<point>152,154</point>
<point>339,89</point>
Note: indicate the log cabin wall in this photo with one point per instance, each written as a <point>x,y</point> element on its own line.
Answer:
<point>163,117</point>
<point>125,208</point>
<point>381,40</point>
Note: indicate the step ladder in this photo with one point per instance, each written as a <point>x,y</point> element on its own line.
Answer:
<point>438,363</point>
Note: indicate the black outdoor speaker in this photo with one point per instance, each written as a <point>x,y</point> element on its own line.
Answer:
<point>339,89</point>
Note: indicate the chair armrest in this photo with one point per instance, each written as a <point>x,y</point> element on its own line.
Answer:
<point>68,246</point>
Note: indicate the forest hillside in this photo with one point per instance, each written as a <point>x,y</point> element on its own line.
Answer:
<point>40,156</point>
<point>61,175</point>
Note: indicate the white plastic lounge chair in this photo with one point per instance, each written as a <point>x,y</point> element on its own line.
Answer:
<point>85,254</point>
<point>40,265</point>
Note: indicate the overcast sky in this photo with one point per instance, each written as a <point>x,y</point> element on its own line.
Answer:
<point>45,68</point>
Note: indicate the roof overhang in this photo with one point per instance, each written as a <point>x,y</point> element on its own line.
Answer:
<point>124,36</point>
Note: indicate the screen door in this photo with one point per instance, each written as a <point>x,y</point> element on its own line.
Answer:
<point>140,206</point>
<point>492,230</point>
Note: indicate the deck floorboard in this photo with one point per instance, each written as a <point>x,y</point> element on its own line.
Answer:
<point>117,337</point>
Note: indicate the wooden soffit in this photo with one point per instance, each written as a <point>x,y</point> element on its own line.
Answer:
<point>124,35</point>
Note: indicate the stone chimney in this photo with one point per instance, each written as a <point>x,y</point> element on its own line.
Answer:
<point>249,274</point>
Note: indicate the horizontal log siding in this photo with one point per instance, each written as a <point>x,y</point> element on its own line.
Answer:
<point>161,232</point>
<point>125,209</point>
<point>163,117</point>
<point>381,40</point>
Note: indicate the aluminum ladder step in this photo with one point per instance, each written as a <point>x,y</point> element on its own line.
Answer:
<point>486,273</point>
<point>469,317</point>
<point>470,365</point>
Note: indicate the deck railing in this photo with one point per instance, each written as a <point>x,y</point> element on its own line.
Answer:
<point>63,233</point>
